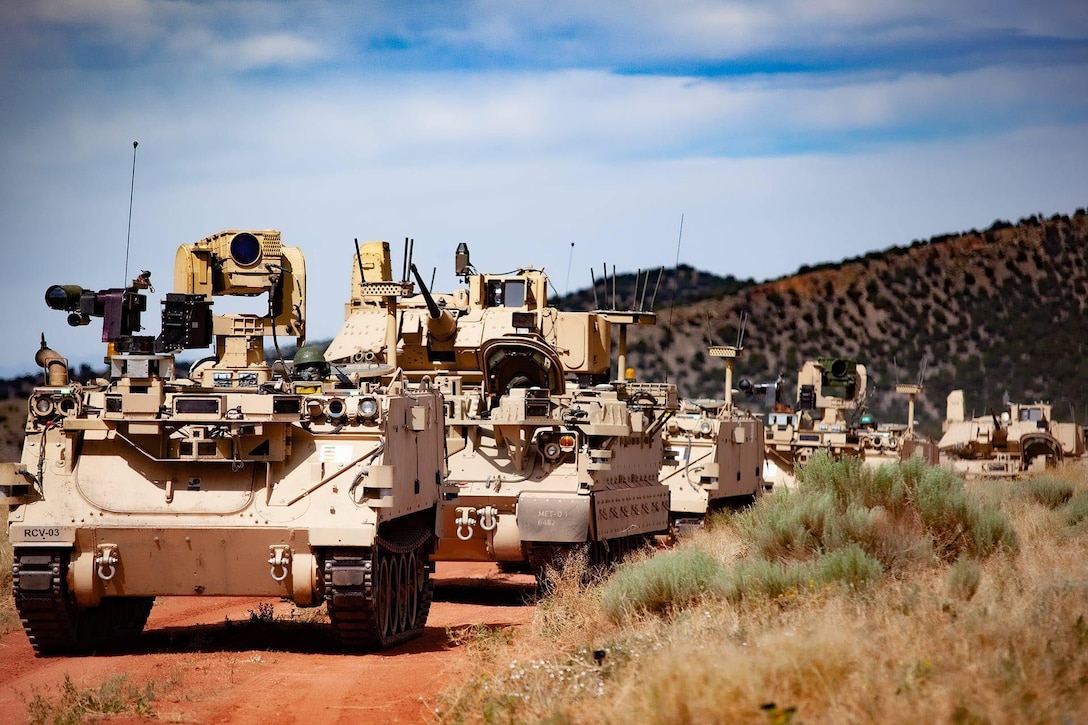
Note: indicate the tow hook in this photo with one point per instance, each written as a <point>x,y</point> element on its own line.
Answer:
<point>106,561</point>
<point>465,522</point>
<point>489,517</point>
<point>280,558</point>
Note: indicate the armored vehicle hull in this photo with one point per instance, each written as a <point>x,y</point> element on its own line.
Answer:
<point>715,462</point>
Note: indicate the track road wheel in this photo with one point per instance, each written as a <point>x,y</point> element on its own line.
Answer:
<point>53,621</point>
<point>379,597</point>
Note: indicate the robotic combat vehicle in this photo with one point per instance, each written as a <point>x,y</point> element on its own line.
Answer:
<point>1024,438</point>
<point>715,454</point>
<point>829,417</point>
<point>547,453</point>
<point>241,478</point>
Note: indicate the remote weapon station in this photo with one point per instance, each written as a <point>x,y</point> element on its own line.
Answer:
<point>240,478</point>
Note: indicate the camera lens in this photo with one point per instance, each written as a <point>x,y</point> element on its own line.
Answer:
<point>245,249</point>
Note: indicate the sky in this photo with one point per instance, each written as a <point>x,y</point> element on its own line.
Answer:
<point>739,137</point>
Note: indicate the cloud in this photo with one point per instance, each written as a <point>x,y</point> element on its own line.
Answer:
<point>268,51</point>
<point>786,133</point>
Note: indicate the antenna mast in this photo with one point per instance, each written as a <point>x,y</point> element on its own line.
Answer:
<point>131,189</point>
<point>672,302</point>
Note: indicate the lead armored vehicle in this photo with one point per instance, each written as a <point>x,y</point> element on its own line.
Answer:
<point>547,452</point>
<point>239,478</point>
<point>1023,438</point>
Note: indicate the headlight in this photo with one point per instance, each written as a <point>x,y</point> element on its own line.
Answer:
<point>368,408</point>
<point>335,408</point>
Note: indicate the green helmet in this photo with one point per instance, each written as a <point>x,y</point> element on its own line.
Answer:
<point>309,363</point>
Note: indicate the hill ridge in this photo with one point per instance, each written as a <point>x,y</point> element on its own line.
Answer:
<point>991,311</point>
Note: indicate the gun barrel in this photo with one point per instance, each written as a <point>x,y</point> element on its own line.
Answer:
<point>441,324</point>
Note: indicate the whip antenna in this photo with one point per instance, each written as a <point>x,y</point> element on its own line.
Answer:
<point>672,302</point>
<point>570,258</point>
<point>131,188</point>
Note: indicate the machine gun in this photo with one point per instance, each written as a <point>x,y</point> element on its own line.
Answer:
<point>442,325</point>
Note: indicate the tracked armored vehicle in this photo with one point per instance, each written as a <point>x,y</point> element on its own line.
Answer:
<point>546,451</point>
<point>715,454</point>
<point>239,478</point>
<point>828,417</point>
<point>1023,438</point>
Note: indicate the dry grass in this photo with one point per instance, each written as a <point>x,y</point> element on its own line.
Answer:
<point>999,638</point>
<point>9,618</point>
<point>12,427</point>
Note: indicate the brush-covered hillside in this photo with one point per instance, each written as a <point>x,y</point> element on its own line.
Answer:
<point>993,312</point>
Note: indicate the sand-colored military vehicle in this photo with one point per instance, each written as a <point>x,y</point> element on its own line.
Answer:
<point>239,478</point>
<point>828,390</point>
<point>892,442</point>
<point>829,416</point>
<point>1023,438</point>
<point>715,454</point>
<point>547,452</point>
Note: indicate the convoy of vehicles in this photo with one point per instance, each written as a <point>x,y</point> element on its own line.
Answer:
<point>480,424</point>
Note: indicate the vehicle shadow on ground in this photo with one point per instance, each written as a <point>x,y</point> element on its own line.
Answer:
<point>310,633</point>
<point>503,591</point>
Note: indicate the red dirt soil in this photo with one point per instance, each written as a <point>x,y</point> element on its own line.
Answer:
<point>210,662</point>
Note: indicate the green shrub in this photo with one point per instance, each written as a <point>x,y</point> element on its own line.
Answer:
<point>991,532</point>
<point>786,527</point>
<point>850,565</point>
<point>760,577</point>
<point>942,507</point>
<point>660,584</point>
<point>1048,491</point>
<point>964,578</point>
<point>1075,509</point>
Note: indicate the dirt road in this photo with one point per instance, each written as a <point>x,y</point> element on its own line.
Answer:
<point>227,661</point>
